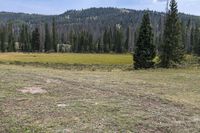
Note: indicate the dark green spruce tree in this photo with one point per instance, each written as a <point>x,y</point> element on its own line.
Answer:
<point>172,49</point>
<point>11,40</point>
<point>118,39</point>
<point>54,35</point>
<point>27,39</point>
<point>110,39</point>
<point>196,41</point>
<point>24,39</point>
<point>192,38</point>
<point>35,43</point>
<point>90,43</point>
<point>3,38</point>
<point>105,41</point>
<point>47,43</point>
<point>145,51</point>
<point>126,45</point>
<point>99,48</point>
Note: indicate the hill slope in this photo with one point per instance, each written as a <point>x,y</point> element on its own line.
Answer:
<point>94,20</point>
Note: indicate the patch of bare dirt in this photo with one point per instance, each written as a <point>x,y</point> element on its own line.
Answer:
<point>61,105</point>
<point>53,81</point>
<point>33,90</point>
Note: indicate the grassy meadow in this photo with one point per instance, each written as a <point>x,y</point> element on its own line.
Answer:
<point>68,58</point>
<point>40,99</point>
<point>84,101</point>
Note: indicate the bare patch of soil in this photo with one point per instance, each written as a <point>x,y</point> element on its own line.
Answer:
<point>61,105</point>
<point>33,90</point>
<point>52,81</point>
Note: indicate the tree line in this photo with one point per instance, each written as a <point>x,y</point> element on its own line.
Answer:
<point>111,41</point>
<point>114,38</point>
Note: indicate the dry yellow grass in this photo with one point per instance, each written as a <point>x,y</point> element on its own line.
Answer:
<point>67,58</point>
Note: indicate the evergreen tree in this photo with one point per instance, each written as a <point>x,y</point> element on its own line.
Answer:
<point>196,41</point>
<point>118,39</point>
<point>80,42</point>
<point>135,37</point>
<point>144,52</point>
<point>105,41</point>
<point>110,39</point>
<point>90,43</point>
<point>126,46</point>
<point>27,39</point>
<point>47,43</point>
<point>3,37</point>
<point>63,38</point>
<point>192,38</point>
<point>188,38</point>
<point>84,44</point>
<point>99,46</point>
<point>54,36</point>
<point>11,41</point>
<point>184,35</point>
<point>24,39</point>
<point>160,33</point>
<point>35,40</point>
<point>74,40</point>
<point>171,49</point>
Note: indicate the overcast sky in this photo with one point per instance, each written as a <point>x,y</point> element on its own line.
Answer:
<point>60,6</point>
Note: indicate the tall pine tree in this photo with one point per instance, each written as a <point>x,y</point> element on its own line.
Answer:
<point>126,45</point>
<point>24,39</point>
<point>105,41</point>
<point>36,40</point>
<point>54,36</point>
<point>3,38</point>
<point>118,39</point>
<point>11,41</point>
<point>196,41</point>
<point>144,52</point>
<point>47,43</point>
<point>172,48</point>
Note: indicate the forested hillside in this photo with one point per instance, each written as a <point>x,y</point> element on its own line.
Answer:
<point>89,30</point>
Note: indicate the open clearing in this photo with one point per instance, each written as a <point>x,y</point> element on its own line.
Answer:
<point>70,61</point>
<point>67,58</point>
<point>84,101</point>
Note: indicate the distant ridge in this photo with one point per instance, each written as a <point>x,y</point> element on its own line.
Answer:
<point>94,20</point>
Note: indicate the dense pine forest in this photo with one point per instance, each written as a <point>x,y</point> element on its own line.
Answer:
<point>94,30</point>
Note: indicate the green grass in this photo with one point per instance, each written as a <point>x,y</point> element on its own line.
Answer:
<point>73,61</point>
<point>69,58</point>
<point>161,100</point>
